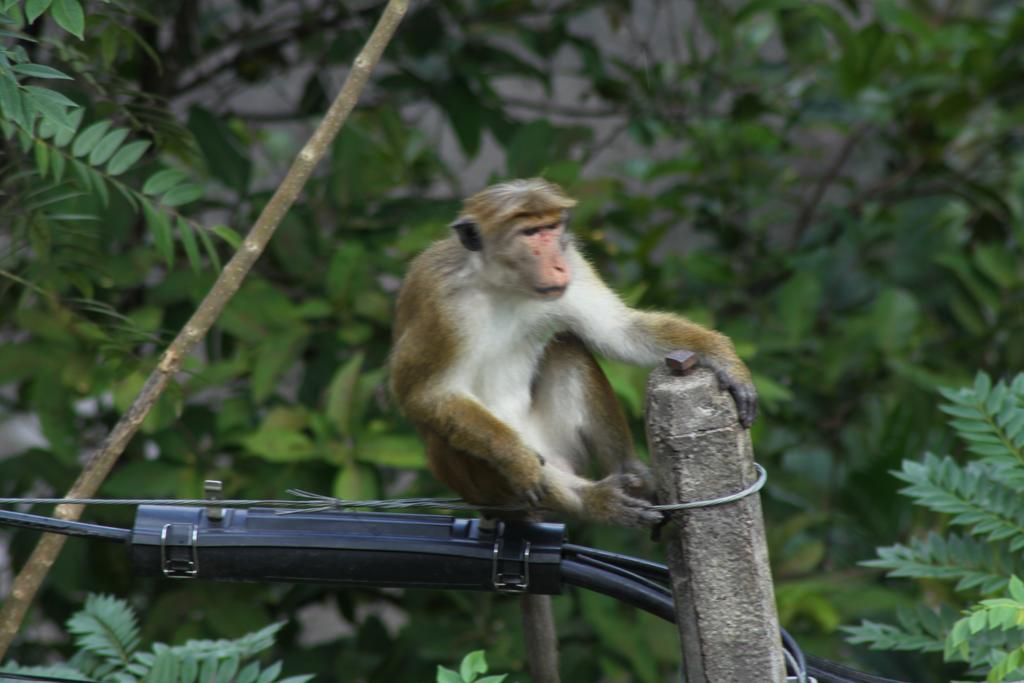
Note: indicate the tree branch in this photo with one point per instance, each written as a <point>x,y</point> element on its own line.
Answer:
<point>830,175</point>
<point>29,579</point>
<point>548,107</point>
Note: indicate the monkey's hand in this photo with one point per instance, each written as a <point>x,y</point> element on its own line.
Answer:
<point>526,474</point>
<point>640,483</point>
<point>733,376</point>
<point>608,501</point>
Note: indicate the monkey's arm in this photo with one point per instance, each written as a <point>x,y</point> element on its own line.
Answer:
<point>619,332</point>
<point>466,425</point>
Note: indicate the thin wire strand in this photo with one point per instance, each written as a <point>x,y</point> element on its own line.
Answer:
<point>306,501</point>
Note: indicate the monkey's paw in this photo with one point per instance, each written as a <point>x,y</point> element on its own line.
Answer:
<point>536,495</point>
<point>639,481</point>
<point>608,501</point>
<point>737,383</point>
<point>535,491</point>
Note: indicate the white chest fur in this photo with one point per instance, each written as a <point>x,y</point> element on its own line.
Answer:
<point>505,340</point>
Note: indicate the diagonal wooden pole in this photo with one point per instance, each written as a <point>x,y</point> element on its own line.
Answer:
<point>31,576</point>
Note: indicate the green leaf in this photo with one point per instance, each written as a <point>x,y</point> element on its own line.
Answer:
<point>248,674</point>
<point>998,263</point>
<point>163,180</point>
<point>69,16</point>
<point>1017,589</point>
<point>210,247</point>
<point>41,158</point>
<point>225,155</point>
<point>271,673</point>
<point>160,225</point>
<point>982,385</point>
<point>273,358</point>
<point>228,235</point>
<point>227,669</point>
<point>40,71</point>
<point>280,445</point>
<point>106,147</point>
<point>188,240</point>
<point>492,679</point>
<point>182,194</point>
<point>126,157</point>
<point>47,129</point>
<point>798,302</point>
<point>473,664</point>
<point>341,394</point>
<point>51,104</point>
<point>464,112</point>
<point>57,165</point>
<point>99,184</point>
<point>10,97</point>
<point>87,139</point>
<point>356,482</point>
<point>34,8</point>
<point>392,450</point>
<point>64,135</point>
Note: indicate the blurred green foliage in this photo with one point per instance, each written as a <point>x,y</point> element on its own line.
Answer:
<point>839,186</point>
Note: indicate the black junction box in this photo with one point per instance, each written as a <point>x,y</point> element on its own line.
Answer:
<point>347,548</point>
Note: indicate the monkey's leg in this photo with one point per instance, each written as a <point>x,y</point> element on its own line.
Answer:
<point>573,384</point>
<point>541,638</point>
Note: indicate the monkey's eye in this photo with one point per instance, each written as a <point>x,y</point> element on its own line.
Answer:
<point>529,232</point>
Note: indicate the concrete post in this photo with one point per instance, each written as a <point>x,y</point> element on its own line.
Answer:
<point>717,556</point>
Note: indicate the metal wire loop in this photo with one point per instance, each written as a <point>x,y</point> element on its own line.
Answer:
<point>762,477</point>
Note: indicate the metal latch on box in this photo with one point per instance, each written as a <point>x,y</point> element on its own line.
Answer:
<point>510,571</point>
<point>179,555</point>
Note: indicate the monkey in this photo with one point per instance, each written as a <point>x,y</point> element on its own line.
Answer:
<point>493,360</point>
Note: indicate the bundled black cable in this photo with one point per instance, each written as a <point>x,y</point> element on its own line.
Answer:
<point>392,550</point>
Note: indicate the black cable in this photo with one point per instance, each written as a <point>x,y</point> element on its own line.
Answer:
<point>652,570</point>
<point>659,603</point>
<point>625,573</point>
<point>577,573</point>
<point>794,649</point>
<point>64,526</point>
<point>5,676</point>
<point>830,672</point>
<point>632,580</point>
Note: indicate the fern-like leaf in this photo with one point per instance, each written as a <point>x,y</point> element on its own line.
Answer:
<point>970,636</point>
<point>990,419</point>
<point>106,627</point>
<point>973,564</point>
<point>975,495</point>
<point>920,629</point>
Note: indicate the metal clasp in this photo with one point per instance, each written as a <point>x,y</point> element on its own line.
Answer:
<point>179,555</point>
<point>517,580</point>
<point>214,490</point>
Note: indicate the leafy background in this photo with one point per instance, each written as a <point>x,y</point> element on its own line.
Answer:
<point>838,186</point>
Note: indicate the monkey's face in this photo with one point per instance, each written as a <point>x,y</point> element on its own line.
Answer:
<point>535,256</point>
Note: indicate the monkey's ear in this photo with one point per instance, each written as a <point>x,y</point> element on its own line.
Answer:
<point>468,234</point>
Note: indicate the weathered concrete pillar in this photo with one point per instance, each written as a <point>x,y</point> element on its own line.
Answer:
<point>718,558</point>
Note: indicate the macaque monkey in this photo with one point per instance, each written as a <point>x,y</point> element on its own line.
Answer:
<point>494,337</point>
<point>493,361</point>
